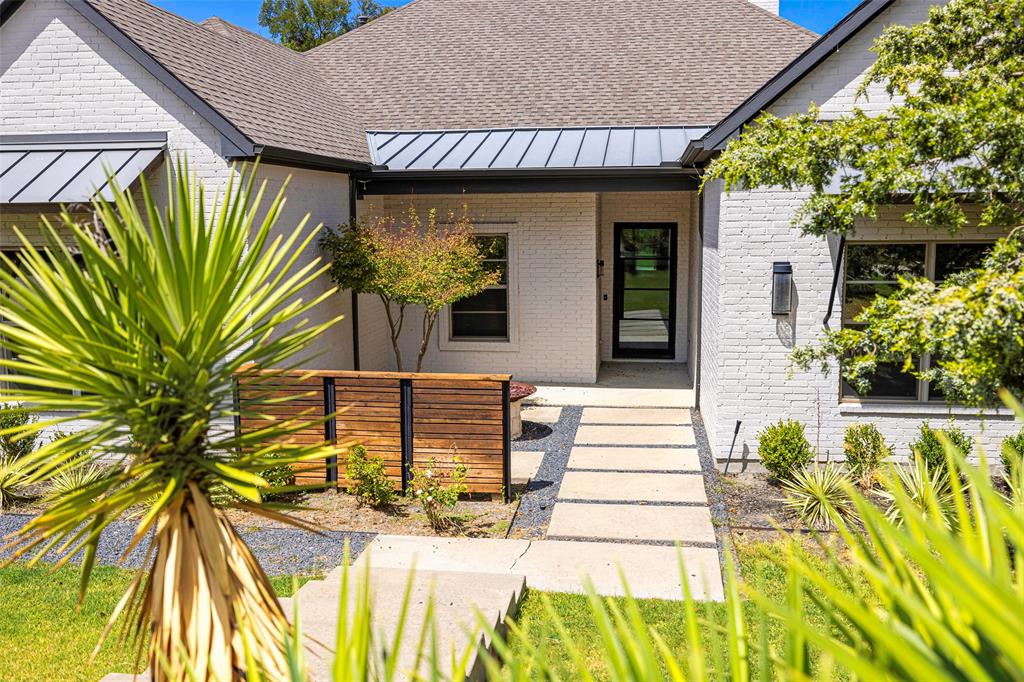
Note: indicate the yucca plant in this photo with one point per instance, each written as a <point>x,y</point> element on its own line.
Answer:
<point>141,332</point>
<point>927,487</point>
<point>72,479</point>
<point>817,494</point>
<point>12,482</point>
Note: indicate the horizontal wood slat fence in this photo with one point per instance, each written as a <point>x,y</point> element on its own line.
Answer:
<point>408,419</point>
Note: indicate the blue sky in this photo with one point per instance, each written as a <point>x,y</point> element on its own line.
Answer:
<point>817,15</point>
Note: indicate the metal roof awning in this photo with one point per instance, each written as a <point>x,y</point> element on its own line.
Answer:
<point>73,168</point>
<point>531,148</point>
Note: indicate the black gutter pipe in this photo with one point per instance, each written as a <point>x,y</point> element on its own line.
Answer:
<point>835,281</point>
<point>356,365</point>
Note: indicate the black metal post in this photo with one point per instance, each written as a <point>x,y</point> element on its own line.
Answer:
<point>237,404</point>
<point>405,412</point>
<point>355,331</point>
<point>506,443</point>
<point>330,428</point>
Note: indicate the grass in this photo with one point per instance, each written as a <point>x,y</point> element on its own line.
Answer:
<point>757,566</point>
<point>46,637</point>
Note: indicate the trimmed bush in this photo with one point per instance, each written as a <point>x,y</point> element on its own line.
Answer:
<point>437,496</point>
<point>783,448</point>
<point>1012,451</point>
<point>865,449</point>
<point>818,495</point>
<point>12,416</point>
<point>368,479</point>
<point>930,449</point>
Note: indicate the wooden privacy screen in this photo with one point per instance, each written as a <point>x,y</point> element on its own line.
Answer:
<point>407,419</point>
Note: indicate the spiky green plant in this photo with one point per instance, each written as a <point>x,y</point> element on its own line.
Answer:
<point>817,494</point>
<point>927,487</point>
<point>72,479</point>
<point>12,482</point>
<point>140,333</point>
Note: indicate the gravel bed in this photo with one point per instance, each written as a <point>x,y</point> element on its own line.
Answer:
<point>538,501</point>
<point>712,485</point>
<point>281,551</point>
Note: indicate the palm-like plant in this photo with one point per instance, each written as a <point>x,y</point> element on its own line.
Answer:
<point>142,333</point>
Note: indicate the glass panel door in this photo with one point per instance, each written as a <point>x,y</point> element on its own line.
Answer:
<point>644,291</point>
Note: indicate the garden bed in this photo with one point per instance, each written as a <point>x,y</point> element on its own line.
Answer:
<point>338,511</point>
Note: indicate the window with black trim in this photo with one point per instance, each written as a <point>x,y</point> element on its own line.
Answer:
<point>873,269</point>
<point>485,317</point>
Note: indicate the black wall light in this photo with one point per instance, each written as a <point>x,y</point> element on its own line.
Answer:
<point>782,288</point>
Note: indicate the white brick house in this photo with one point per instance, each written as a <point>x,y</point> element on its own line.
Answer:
<point>579,148</point>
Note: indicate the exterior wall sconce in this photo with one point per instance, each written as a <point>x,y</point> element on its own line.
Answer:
<point>782,288</point>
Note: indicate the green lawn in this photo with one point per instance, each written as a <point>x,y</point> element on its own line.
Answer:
<point>44,637</point>
<point>667,617</point>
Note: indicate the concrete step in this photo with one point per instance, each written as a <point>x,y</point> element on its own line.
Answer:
<point>457,596</point>
<point>634,459</point>
<point>630,434</point>
<point>632,522</point>
<point>639,487</point>
<point>635,415</point>
<point>560,565</point>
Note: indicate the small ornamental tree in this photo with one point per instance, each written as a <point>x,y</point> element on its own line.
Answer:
<point>407,262</point>
<point>953,138</point>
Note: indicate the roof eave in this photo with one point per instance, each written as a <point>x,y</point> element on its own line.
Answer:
<point>300,159</point>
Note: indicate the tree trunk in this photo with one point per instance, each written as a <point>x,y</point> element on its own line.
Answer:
<point>429,318</point>
<point>396,329</point>
<point>204,594</point>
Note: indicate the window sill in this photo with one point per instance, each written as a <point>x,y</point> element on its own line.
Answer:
<point>921,409</point>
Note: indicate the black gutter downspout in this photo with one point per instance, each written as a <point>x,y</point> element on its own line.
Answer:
<point>835,281</point>
<point>356,365</point>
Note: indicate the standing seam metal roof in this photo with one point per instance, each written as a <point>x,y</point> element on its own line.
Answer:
<point>531,148</point>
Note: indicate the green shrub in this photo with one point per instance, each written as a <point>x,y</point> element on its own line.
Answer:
<point>818,495</point>
<point>436,495</point>
<point>865,449</point>
<point>277,476</point>
<point>368,479</point>
<point>929,447</point>
<point>12,416</point>
<point>1012,451</point>
<point>783,448</point>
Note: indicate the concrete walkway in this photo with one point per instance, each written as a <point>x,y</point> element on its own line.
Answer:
<point>634,477</point>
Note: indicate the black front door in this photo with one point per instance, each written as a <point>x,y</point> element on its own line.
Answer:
<point>645,290</point>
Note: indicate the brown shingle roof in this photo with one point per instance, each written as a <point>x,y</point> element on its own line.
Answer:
<point>483,63</point>
<point>475,64</point>
<point>270,93</point>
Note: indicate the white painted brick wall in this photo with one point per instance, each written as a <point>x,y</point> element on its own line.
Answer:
<point>555,239</point>
<point>59,74</point>
<point>745,370</point>
<point>640,207</point>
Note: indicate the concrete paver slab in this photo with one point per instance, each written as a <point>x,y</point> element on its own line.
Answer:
<point>482,555</point>
<point>634,415</point>
<point>525,466</point>
<point>633,459</point>
<point>652,572</point>
<point>590,434</point>
<point>631,487</point>
<point>632,522</point>
<point>543,415</point>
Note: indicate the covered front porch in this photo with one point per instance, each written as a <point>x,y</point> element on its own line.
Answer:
<point>633,384</point>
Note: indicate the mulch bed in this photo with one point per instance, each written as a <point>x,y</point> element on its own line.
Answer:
<point>754,505</point>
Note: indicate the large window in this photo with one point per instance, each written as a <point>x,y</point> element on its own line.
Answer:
<point>872,270</point>
<point>484,317</point>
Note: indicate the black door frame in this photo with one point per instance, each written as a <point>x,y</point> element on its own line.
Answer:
<point>618,286</point>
